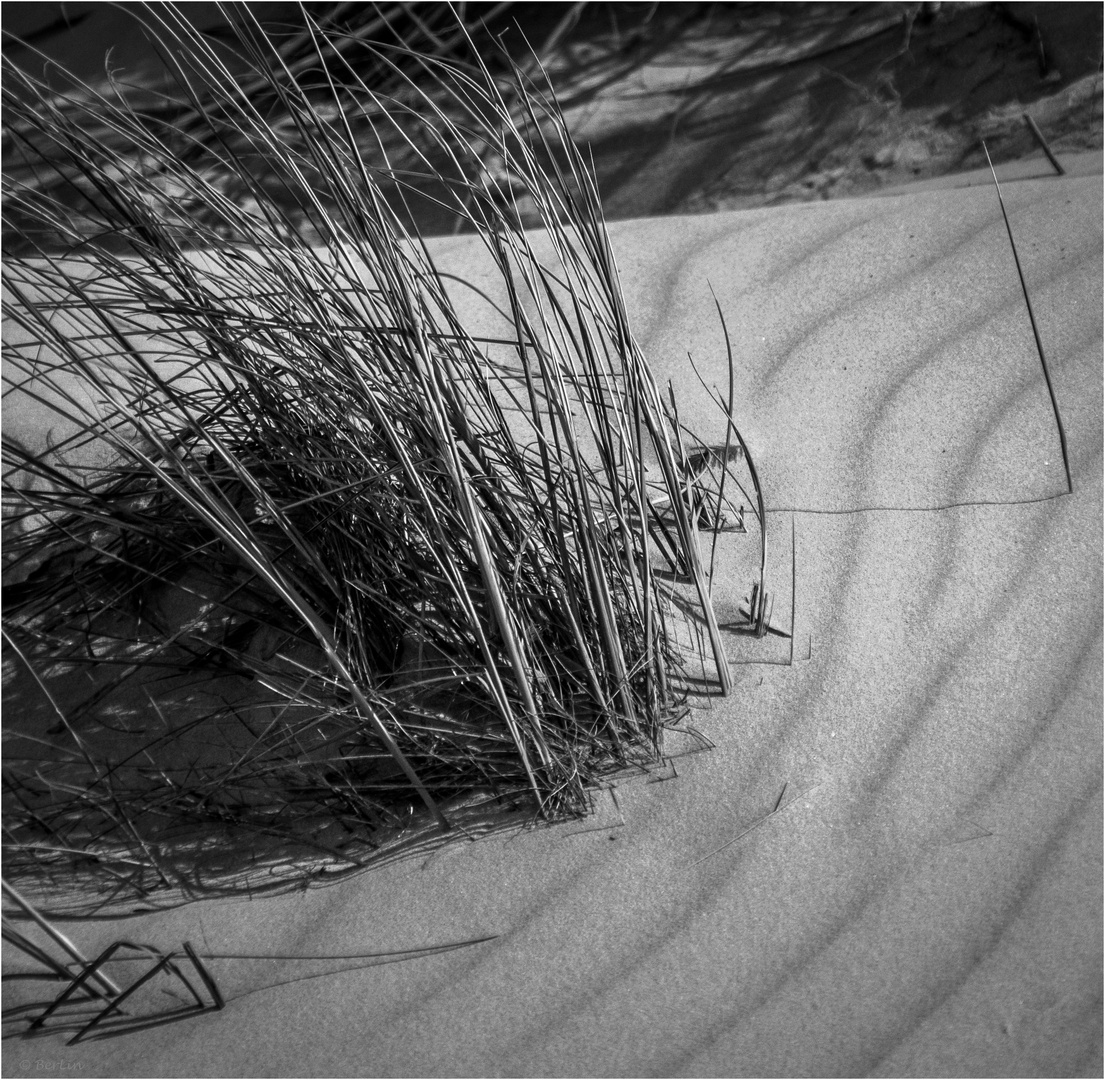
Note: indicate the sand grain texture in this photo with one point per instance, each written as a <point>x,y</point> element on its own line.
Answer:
<point>926,898</point>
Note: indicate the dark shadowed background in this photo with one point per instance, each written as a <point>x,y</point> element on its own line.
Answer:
<point>695,107</point>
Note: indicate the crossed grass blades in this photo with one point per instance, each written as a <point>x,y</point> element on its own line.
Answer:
<point>307,554</point>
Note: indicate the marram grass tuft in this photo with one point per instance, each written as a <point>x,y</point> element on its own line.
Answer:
<point>307,566</point>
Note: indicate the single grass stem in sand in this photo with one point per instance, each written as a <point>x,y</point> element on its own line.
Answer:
<point>1035,328</point>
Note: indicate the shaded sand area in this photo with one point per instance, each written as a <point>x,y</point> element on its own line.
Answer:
<point>692,108</point>
<point>890,864</point>
<point>732,106</point>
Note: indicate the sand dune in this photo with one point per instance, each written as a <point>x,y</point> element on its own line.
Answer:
<point>891,863</point>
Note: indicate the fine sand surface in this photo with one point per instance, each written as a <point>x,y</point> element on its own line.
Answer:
<point>890,864</point>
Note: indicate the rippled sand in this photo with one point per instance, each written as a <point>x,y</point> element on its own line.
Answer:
<point>891,863</point>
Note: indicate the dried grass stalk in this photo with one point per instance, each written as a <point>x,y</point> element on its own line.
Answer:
<point>312,557</point>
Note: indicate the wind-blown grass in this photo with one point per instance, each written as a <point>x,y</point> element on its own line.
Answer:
<point>313,554</point>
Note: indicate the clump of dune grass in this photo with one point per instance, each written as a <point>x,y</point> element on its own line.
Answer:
<point>308,563</point>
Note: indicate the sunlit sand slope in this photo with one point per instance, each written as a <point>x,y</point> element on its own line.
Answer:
<point>891,862</point>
